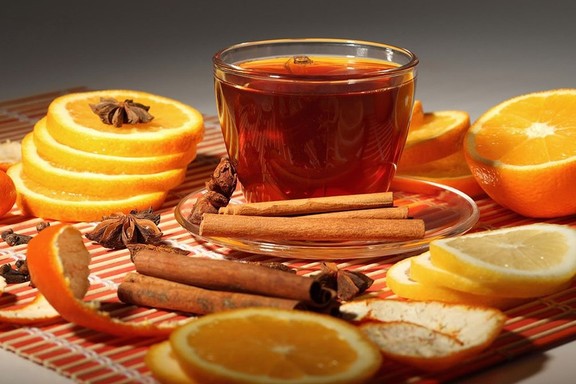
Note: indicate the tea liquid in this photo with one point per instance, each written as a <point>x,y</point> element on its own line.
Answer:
<point>295,139</point>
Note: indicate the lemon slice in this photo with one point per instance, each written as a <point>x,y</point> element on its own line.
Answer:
<point>523,261</point>
<point>398,279</point>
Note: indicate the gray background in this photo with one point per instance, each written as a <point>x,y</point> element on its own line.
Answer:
<point>473,54</point>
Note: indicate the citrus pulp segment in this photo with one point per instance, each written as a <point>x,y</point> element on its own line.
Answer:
<point>175,128</point>
<point>76,160</point>
<point>278,346</point>
<point>36,200</point>
<point>523,261</point>
<point>95,184</point>
<point>523,153</point>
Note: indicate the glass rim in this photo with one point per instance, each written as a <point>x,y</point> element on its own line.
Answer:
<point>232,68</point>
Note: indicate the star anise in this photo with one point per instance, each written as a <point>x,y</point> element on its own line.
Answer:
<point>347,284</point>
<point>118,230</point>
<point>114,112</point>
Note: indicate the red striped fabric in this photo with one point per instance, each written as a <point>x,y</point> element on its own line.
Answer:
<point>87,356</point>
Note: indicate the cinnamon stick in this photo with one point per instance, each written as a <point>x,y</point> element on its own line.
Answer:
<point>310,205</point>
<point>304,228</point>
<point>227,275</point>
<point>374,213</point>
<point>154,292</point>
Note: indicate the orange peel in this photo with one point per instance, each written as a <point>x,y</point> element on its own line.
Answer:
<point>59,263</point>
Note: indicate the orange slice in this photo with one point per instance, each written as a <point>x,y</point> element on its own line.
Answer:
<point>36,200</point>
<point>8,193</point>
<point>523,153</point>
<point>75,160</point>
<point>9,154</point>
<point>59,263</point>
<point>95,184</point>
<point>451,170</point>
<point>439,135</point>
<point>164,366</point>
<point>267,345</point>
<point>175,128</point>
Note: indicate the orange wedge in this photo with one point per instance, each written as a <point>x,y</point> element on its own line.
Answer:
<point>75,160</point>
<point>523,153</point>
<point>439,135</point>
<point>59,262</point>
<point>176,127</point>
<point>36,200</point>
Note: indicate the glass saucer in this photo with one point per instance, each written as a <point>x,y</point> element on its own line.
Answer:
<point>446,212</point>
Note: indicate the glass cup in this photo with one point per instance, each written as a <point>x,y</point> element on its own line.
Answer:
<point>314,117</point>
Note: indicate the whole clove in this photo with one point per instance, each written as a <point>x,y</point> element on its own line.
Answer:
<point>12,238</point>
<point>219,190</point>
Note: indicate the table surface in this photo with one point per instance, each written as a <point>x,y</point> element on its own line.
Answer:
<point>472,56</point>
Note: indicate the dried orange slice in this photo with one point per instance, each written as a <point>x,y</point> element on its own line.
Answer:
<point>429,335</point>
<point>119,185</point>
<point>36,200</point>
<point>8,193</point>
<point>75,160</point>
<point>176,127</point>
<point>267,345</point>
<point>59,263</point>
<point>37,310</point>
<point>523,153</point>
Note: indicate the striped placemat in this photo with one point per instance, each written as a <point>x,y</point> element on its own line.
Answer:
<point>88,356</point>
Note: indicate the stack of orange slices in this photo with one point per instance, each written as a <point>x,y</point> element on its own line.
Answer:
<point>434,150</point>
<point>76,167</point>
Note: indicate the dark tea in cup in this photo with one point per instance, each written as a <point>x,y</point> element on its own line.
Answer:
<point>314,117</point>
